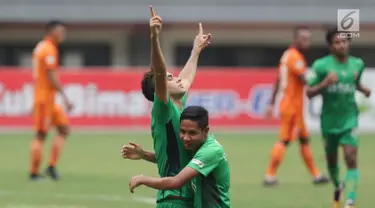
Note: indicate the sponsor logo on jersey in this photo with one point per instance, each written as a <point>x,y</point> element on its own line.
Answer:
<point>50,59</point>
<point>198,163</point>
<point>300,64</point>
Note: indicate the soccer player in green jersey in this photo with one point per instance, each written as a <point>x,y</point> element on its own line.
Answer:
<point>208,171</point>
<point>337,77</point>
<point>168,94</point>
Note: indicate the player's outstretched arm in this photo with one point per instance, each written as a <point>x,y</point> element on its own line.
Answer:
<point>149,157</point>
<point>167,183</point>
<point>134,151</point>
<point>189,71</point>
<point>158,64</point>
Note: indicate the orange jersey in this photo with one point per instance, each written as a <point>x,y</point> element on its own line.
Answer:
<point>292,66</point>
<point>45,57</point>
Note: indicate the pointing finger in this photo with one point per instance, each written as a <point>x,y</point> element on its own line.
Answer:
<point>152,12</point>
<point>200,30</point>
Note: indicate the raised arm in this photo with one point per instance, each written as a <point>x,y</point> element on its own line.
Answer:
<point>158,64</point>
<point>190,68</point>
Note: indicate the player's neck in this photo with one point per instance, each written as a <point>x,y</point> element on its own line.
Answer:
<point>196,150</point>
<point>51,38</point>
<point>177,102</point>
<point>341,59</point>
<point>299,49</point>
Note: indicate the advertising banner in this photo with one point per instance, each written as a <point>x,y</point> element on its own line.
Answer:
<point>234,97</point>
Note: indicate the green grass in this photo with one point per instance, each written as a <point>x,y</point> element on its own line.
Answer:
<point>95,176</point>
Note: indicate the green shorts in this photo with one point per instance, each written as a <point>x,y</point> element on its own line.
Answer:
<point>332,141</point>
<point>174,203</point>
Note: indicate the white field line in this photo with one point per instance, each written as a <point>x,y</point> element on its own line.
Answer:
<point>82,197</point>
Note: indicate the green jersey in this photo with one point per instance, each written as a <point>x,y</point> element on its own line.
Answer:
<point>212,185</point>
<point>171,155</point>
<point>339,110</point>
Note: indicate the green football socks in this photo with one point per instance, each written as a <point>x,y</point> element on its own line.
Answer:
<point>351,183</point>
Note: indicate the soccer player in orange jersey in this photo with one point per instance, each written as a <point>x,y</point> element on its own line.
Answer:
<point>291,82</point>
<point>45,112</point>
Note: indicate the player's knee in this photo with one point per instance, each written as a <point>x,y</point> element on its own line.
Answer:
<point>285,142</point>
<point>351,161</point>
<point>331,160</point>
<point>350,155</point>
<point>41,135</point>
<point>63,130</point>
<point>304,140</point>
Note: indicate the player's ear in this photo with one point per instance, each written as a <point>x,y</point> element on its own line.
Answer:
<point>206,131</point>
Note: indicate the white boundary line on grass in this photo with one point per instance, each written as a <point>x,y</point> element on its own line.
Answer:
<point>97,197</point>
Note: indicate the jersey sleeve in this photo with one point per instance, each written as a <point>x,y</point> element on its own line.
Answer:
<point>207,159</point>
<point>296,65</point>
<point>50,58</point>
<point>316,74</point>
<point>162,111</point>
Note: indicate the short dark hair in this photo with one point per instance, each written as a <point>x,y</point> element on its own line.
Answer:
<point>297,29</point>
<point>148,85</point>
<point>331,33</point>
<point>197,114</point>
<point>53,24</point>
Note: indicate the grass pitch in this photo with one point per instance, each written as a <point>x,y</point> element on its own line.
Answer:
<point>95,176</point>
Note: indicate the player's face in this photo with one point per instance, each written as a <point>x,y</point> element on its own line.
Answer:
<point>340,45</point>
<point>304,39</point>
<point>192,135</point>
<point>60,33</point>
<point>175,86</point>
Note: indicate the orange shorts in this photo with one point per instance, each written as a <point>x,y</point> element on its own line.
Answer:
<point>47,115</point>
<point>292,127</point>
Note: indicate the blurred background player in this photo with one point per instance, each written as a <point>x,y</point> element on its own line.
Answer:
<point>168,94</point>
<point>291,83</point>
<point>337,77</point>
<point>208,170</point>
<point>45,112</point>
